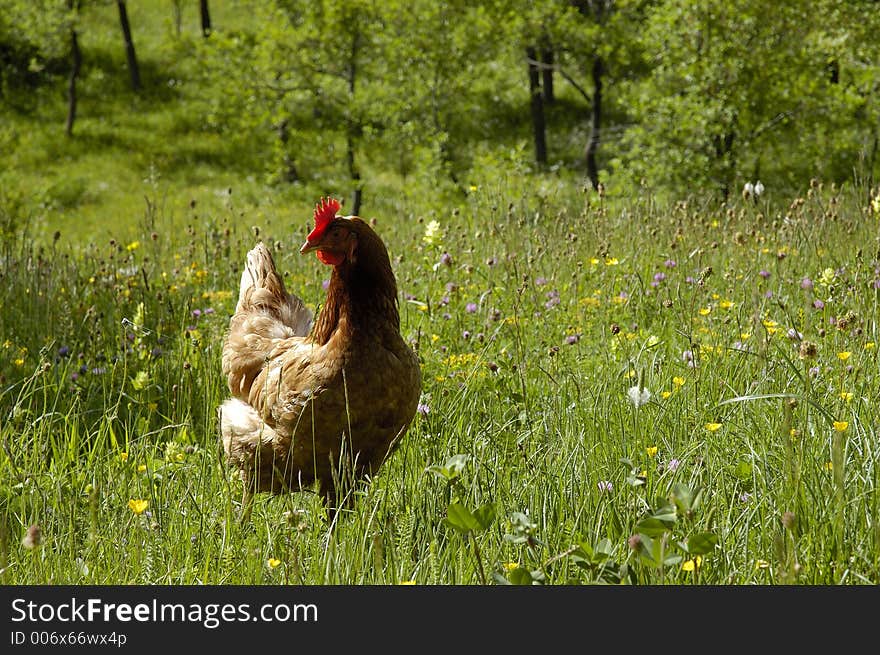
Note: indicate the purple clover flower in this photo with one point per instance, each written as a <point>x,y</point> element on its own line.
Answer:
<point>471,307</point>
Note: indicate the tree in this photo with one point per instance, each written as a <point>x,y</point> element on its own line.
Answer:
<point>205,14</point>
<point>130,56</point>
<point>743,86</point>
<point>539,125</point>
<point>75,66</point>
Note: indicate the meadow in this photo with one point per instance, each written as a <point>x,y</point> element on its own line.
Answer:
<point>610,395</point>
<point>624,387</point>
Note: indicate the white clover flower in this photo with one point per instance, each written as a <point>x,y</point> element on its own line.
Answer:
<point>759,188</point>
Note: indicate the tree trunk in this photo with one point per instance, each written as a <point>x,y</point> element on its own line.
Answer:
<point>206,18</point>
<point>351,137</point>
<point>76,64</point>
<point>288,167</point>
<point>547,75</point>
<point>129,46</point>
<point>539,125</point>
<point>595,123</point>
<point>177,15</point>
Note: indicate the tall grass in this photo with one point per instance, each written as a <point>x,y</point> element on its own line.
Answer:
<point>535,310</point>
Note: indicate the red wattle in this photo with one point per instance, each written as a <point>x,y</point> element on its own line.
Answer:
<point>330,258</point>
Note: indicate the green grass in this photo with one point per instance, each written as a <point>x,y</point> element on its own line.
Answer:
<point>530,389</point>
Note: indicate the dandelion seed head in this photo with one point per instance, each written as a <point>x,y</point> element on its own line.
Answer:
<point>638,397</point>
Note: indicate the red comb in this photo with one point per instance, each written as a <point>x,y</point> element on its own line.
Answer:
<point>325,212</point>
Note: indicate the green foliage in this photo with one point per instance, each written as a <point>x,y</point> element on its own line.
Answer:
<point>738,91</point>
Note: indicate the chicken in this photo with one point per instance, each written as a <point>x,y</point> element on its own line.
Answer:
<point>324,402</point>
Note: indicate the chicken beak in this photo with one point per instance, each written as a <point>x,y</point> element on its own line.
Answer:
<point>308,247</point>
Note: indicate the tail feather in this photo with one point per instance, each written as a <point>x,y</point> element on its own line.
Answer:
<point>263,289</point>
<point>265,313</point>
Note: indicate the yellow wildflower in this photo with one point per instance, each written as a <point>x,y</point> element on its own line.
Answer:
<point>762,564</point>
<point>845,355</point>
<point>273,563</point>
<point>134,245</point>
<point>665,394</point>
<point>692,564</point>
<point>678,381</point>
<point>123,456</point>
<point>846,396</point>
<point>652,451</point>
<point>511,566</point>
<point>705,311</point>
<point>138,506</point>
<point>841,426</point>
<point>713,427</point>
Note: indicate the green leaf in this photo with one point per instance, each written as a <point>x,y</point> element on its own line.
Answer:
<point>519,576</point>
<point>485,515</point>
<point>651,527</point>
<point>635,480</point>
<point>461,519</point>
<point>451,469</point>
<point>667,514</point>
<point>702,543</point>
<point>683,497</point>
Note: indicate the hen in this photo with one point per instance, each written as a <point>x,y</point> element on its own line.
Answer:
<point>322,403</point>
